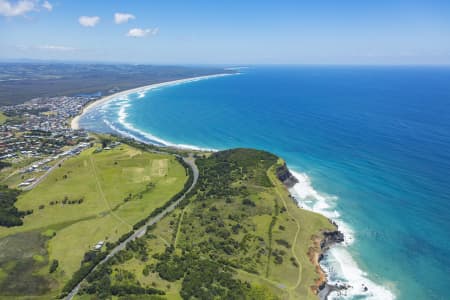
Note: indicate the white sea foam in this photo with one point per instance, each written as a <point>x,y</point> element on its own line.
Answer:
<point>122,119</point>
<point>141,94</point>
<point>342,268</point>
<point>140,91</point>
<point>123,132</point>
<point>122,113</point>
<point>122,100</point>
<point>339,265</point>
<point>311,199</point>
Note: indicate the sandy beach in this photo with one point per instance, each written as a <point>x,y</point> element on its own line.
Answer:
<point>75,121</point>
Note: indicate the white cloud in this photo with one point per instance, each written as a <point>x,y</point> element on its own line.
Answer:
<point>139,32</point>
<point>56,48</point>
<point>22,7</point>
<point>45,48</point>
<point>121,18</point>
<point>88,21</point>
<point>47,5</point>
<point>19,8</point>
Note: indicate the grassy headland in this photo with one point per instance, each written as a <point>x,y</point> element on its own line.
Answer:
<point>96,196</point>
<point>238,235</point>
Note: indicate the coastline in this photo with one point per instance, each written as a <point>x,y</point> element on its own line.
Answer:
<point>342,276</point>
<point>328,286</point>
<point>323,287</point>
<point>321,244</point>
<point>74,124</point>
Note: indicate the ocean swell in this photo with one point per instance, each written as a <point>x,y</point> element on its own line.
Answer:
<point>338,264</point>
<point>121,103</point>
<point>145,136</point>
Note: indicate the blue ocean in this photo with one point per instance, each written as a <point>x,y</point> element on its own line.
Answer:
<point>369,145</point>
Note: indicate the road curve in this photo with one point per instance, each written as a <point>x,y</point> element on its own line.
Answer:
<point>141,231</point>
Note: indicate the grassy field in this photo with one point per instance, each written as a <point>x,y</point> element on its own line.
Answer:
<point>13,177</point>
<point>239,235</point>
<point>301,227</point>
<point>91,197</point>
<point>3,118</point>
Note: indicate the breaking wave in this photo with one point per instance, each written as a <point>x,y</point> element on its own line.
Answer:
<point>338,263</point>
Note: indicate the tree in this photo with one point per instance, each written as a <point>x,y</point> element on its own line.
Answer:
<point>54,265</point>
<point>9,214</point>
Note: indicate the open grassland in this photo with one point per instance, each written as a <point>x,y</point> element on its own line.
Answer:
<point>90,198</point>
<point>3,118</point>
<point>300,229</point>
<point>13,180</point>
<point>238,236</point>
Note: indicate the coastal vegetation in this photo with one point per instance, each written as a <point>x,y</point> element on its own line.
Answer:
<point>238,235</point>
<point>3,118</point>
<point>98,196</point>
<point>9,214</point>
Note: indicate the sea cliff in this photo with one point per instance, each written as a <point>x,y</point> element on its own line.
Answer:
<point>322,243</point>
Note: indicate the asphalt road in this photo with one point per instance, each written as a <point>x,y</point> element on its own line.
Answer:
<point>39,180</point>
<point>141,231</point>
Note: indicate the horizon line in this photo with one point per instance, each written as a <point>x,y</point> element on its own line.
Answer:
<point>100,62</point>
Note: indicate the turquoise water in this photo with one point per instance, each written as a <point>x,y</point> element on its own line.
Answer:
<point>371,147</point>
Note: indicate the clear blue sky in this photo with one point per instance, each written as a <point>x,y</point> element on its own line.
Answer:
<point>228,31</point>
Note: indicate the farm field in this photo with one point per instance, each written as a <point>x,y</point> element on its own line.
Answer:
<point>96,196</point>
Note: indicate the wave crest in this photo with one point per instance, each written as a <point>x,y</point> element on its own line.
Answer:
<point>338,263</point>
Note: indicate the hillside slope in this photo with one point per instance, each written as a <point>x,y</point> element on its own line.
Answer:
<point>239,235</point>
<point>95,196</point>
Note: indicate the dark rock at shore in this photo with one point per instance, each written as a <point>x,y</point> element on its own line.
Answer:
<point>330,238</point>
<point>325,289</point>
<point>321,256</point>
<point>285,176</point>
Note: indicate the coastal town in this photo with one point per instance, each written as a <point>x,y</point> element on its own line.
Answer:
<point>36,134</point>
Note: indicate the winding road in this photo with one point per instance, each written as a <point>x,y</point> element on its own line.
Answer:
<point>141,231</point>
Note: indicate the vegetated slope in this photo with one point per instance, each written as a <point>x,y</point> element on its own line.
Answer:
<point>96,196</point>
<point>3,118</point>
<point>9,214</point>
<point>238,235</point>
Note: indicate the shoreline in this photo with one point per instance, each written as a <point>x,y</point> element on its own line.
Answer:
<point>326,285</point>
<point>323,282</point>
<point>74,123</point>
<point>343,277</point>
<point>320,244</point>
